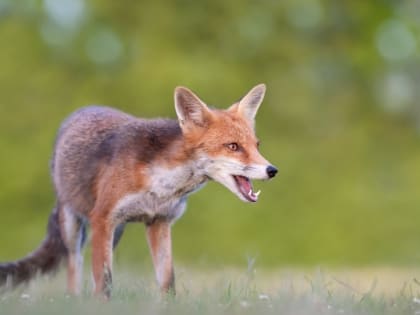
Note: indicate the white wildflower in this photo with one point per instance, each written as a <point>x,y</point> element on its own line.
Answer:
<point>263,297</point>
<point>25,296</point>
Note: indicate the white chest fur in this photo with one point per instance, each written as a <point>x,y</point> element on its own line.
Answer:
<point>163,197</point>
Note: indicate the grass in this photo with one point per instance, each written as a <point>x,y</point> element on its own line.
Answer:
<point>229,291</point>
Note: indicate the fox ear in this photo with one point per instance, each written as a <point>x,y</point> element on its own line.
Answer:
<point>249,104</point>
<point>191,111</point>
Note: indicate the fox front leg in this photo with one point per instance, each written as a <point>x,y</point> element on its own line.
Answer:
<point>160,244</point>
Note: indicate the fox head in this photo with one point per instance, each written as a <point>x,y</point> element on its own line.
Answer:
<point>224,141</point>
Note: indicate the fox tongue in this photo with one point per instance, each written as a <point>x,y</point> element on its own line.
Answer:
<point>245,187</point>
<point>244,184</point>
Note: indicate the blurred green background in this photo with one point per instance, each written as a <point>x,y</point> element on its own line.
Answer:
<point>341,118</point>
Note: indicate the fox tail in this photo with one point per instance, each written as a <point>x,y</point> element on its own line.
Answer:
<point>45,259</point>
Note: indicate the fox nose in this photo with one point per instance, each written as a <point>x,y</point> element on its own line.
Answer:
<point>271,171</point>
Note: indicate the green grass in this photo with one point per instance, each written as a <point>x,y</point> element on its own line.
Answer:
<point>229,291</point>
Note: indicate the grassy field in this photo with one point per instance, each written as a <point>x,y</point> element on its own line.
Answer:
<point>231,291</point>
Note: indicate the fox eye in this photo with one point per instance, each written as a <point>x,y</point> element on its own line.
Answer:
<point>233,146</point>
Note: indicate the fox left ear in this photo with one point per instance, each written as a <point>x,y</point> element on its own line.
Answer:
<point>249,104</point>
<point>191,111</point>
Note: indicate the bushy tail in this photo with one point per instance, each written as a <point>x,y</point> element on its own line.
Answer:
<point>45,259</point>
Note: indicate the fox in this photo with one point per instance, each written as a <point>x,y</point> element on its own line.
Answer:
<point>110,168</point>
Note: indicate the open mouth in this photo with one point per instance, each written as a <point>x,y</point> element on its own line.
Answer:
<point>245,187</point>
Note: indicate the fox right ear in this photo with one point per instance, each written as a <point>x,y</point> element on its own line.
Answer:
<point>249,104</point>
<point>191,111</point>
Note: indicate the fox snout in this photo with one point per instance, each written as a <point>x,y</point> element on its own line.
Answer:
<point>271,171</point>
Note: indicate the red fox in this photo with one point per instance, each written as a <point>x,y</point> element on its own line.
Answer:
<point>110,168</point>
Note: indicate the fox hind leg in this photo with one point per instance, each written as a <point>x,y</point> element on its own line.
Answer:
<point>102,243</point>
<point>73,230</point>
<point>118,234</point>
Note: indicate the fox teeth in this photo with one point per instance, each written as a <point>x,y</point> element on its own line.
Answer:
<point>252,194</point>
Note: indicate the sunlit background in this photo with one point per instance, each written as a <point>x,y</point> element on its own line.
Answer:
<point>341,118</point>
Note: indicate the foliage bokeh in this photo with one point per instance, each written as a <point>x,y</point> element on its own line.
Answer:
<point>341,118</point>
